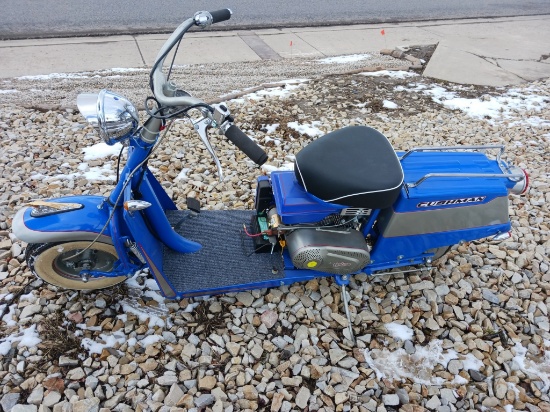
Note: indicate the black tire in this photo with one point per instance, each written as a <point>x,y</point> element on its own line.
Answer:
<point>58,264</point>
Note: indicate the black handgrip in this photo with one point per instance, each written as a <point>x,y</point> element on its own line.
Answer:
<point>221,15</point>
<point>243,142</point>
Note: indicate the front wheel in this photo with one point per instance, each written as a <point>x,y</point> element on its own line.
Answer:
<point>60,264</point>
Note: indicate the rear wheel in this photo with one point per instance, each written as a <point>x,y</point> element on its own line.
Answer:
<point>60,264</point>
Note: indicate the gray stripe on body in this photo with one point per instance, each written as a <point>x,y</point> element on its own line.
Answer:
<point>394,224</point>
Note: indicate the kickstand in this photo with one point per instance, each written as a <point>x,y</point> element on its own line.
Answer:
<point>343,281</point>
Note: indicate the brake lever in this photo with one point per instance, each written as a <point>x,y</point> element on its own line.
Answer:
<point>201,128</point>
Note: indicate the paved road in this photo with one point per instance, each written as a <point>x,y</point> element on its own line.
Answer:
<point>53,18</point>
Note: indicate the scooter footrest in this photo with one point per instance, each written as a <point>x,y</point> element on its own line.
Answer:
<point>227,257</point>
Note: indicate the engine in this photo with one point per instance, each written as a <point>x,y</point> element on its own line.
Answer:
<point>340,252</point>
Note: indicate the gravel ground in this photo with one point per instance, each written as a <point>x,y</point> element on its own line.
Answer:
<point>471,335</point>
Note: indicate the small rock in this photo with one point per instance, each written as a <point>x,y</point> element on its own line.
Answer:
<point>207,382</point>
<point>205,400</point>
<point>390,399</point>
<point>9,400</point>
<point>87,405</point>
<point>245,298</point>
<point>476,375</point>
<point>174,395</point>
<point>76,374</point>
<point>51,399</point>
<point>434,403</point>
<point>269,318</point>
<point>302,397</point>
<point>490,296</point>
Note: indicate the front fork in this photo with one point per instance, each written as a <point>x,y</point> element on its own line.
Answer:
<point>127,264</point>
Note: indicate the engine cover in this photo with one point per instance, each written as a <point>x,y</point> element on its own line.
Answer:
<point>337,252</point>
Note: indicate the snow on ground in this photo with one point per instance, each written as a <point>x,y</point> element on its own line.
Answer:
<point>9,91</point>
<point>271,128</point>
<point>27,337</point>
<point>82,75</point>
<point>486,106</point>
<point>310,129</point>
<point>419,366</point>
<point>389,105</point>
<point>101,150</point>
<point>399,331</point>
<point>396,74</point>
<point>282,90</point>
<point>351,58</point>
<point>537,369</point>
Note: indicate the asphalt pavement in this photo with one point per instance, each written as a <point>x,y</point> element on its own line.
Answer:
<point>494,52</point>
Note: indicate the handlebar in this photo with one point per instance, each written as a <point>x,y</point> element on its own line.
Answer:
<point>165,92</point>
<point>159,83</point>
<point>221,15</point>
<point>246,144</point>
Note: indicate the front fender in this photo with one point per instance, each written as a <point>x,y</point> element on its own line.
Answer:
<point>81,224</point>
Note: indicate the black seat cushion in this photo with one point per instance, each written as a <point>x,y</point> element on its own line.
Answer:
<point>355,166</point>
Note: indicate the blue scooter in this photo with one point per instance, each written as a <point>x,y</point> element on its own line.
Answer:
<point>351,205</point>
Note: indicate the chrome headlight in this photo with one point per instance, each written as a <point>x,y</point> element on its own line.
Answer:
<point>115,118</point>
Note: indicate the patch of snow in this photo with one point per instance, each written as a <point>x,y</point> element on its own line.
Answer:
<point>126,70</point>
<point>151,284</point>
<point>283,89</point>
<point>351,58</point>
<point>389,105</point>
<point>29,296</point>
<point>104,172</point>
<point>109,341</point>
<point>8,318</point>
<point>82,75</point>
<point>396,74</point>
<point>537,370</point>
<point>191,307</point>
<point>50,76</point>
<point>150,340</point>
<point>270,128</point>
<point>154,295</point>
<point>513,102</point>
<point>418,367</point>
<point>25,337</point>
<point>8,91</point>
<point>144,315</point>
<point>399,331</point>
<point>182,175</point>
<point>101,150</point>
<point>310,129</point>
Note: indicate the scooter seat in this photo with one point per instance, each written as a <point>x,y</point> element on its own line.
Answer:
<point>355,166</point>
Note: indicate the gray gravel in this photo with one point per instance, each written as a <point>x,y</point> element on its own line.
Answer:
<point>479,321</point>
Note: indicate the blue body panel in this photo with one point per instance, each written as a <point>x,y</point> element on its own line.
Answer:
<point>295,205</point>
<point>419,164</point>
